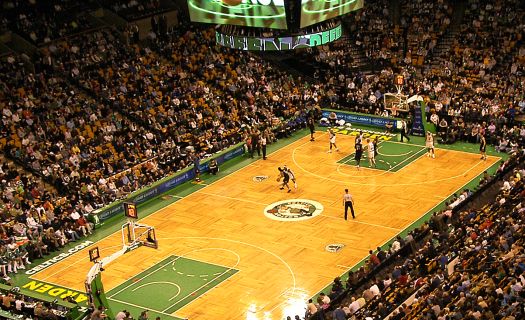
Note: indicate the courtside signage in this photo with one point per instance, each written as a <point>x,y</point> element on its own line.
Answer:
<point>367,134</point>
<point>55,291</point>
<point>356,118</point>
<point>293,210</point>
<point>60,257</point>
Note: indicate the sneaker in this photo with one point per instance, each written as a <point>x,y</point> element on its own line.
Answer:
<point>329,151</point>
<point>289,190</point>
<point>433,156</point>
<point>281,188</point>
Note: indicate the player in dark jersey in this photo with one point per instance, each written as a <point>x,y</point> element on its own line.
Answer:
<point>483,147</point>
<point>311,126</point>
<point>358,152</point>
<point>286,178</point>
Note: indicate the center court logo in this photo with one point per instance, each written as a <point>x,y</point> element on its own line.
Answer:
<point>293,210</point>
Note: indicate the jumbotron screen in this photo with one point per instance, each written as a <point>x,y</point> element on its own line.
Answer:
<point>315,11</point>
<point>250,13</point>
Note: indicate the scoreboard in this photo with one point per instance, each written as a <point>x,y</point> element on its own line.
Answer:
<point>315,11</point>
<point>272,14</point>
<point>250,13</point>
<point>130,210</point>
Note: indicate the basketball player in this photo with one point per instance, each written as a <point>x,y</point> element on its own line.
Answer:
<point>429,142</point>
<point>332,140</point>
<point>359,138</point>
<point>311,126</point>
<point>371,152</point>
<point>286,177</point>
<point>483,147</point>
<point>376,143</point>
<point>358,151</point>
<point>292,175</point>
<point>404,130</point>
<point>196,167</point>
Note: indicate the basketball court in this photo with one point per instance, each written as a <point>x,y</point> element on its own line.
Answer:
<point>240,248</point>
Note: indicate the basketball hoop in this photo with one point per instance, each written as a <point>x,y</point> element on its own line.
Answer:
<point>395,102</point>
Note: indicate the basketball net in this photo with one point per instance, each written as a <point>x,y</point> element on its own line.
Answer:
<point>136,234</point>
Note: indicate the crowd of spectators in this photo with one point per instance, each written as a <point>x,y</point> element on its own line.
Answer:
<point>24,307</point>
<point>373,31</point>
<point>136,9</point>
<point>424,22</point>
<point>35,221</point>
<point>464,263</point>
<point>45,21</point>
<point>478,89</point>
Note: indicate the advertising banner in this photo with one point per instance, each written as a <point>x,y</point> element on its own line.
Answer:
<point>278,44</point>
<point>417,127</point>
<point>363,119</point>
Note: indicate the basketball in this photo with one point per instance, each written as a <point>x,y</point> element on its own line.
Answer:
<point>232,2</point>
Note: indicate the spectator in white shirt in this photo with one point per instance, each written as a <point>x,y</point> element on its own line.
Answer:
<point>375,290</point>
<point>354,306</point>
<point>32,223</point>
<point>75,215</point>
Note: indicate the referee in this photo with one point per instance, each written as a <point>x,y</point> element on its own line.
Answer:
<point>348,202</point>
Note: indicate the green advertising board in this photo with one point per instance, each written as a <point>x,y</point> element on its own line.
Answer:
<point>277,44</point>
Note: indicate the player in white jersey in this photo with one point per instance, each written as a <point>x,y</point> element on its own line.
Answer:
<point>286,177</point>
<point>291,174</point>
<point>332,140</point>
<point>371,152</point>
<point>429,143</point>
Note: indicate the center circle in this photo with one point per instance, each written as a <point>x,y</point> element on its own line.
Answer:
<point>293,210</point>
